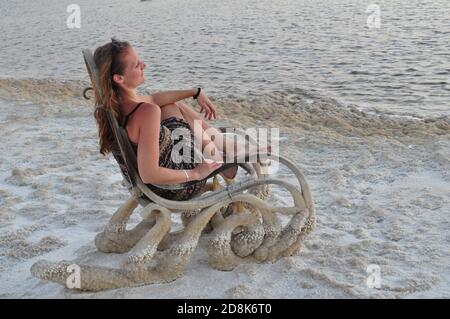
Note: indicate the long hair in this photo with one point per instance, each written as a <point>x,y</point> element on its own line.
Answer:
<point>108,59</point>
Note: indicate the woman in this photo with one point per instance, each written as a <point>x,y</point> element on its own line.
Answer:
<point>149,121</point>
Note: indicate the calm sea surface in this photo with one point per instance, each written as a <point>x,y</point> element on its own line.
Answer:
<point>244,47</point>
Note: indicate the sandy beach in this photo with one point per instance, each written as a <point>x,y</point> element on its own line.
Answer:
<point>381,185</point>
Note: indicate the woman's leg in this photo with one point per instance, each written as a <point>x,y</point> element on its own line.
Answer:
<point>174,110</point>
<point>213,134</point>
<point>209,145</point>
<point>171,110</point>
<point>236,148</point>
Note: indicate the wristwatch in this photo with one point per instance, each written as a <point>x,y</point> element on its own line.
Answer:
<point>198,93</point>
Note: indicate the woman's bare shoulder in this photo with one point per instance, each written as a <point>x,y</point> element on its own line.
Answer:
<point>149,110</point>
<point>146,116</point>
<point>149,118</point>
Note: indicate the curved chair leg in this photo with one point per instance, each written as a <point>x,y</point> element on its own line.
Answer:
<point>295,249</point>
<point>137,268</point>
<point>115,238</point>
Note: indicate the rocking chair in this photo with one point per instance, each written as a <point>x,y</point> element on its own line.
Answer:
<point>240,222</point>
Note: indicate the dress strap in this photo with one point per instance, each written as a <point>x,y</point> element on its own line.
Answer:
<point>131,113</point>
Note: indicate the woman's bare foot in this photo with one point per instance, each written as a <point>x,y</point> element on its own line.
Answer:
<point>230,173</point>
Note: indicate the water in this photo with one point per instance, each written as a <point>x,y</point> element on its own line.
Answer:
<point>244,47</point>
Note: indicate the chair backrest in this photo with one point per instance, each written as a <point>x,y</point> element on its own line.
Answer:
<point>125,156</point>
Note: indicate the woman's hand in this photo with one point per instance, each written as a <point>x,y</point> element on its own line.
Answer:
<point>205,168</point>
<point>206,106</point>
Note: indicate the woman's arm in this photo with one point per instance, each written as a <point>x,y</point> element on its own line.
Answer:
<point>169,97</point>
<point>148,154</point>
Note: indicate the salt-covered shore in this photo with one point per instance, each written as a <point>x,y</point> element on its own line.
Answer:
<point>381,186</point>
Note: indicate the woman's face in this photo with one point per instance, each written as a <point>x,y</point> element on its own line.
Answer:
<point>133,76</point>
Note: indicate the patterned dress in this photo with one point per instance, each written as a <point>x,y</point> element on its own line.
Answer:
<point>168,140</point>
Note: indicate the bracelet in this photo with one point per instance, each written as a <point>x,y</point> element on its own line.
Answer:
<point>198,93</point>
<point>187,176</point>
